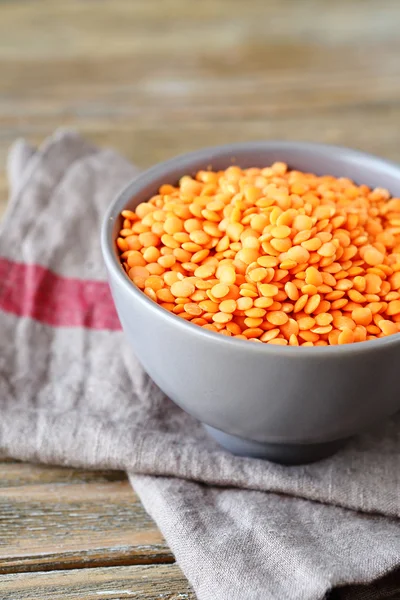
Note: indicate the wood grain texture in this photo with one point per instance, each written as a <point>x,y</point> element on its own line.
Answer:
<point>157,78</point>
<point>17,474</point>
<point>151,582</point>
<point>54,518</point>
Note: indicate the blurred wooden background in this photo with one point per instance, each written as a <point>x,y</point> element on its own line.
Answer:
<point>155,78</point>
<point>158,77</point>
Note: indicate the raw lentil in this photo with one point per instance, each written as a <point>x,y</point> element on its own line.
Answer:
<point>270,255</point>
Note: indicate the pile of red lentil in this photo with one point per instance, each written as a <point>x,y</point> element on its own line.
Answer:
<point>270,255</point>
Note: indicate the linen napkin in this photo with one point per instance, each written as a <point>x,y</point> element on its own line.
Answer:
<point>72,393</point>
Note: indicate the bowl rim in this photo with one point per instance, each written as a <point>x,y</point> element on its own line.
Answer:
<point>184,161</point>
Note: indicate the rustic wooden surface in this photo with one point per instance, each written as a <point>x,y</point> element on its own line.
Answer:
<point>63,519</point>
<point>145,582</point>
<point>153,79</point>
<point>67,533</point>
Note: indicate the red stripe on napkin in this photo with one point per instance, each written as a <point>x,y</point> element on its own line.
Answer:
<point>33,291</point>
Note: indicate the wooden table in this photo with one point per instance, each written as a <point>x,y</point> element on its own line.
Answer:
<point>155,78</point>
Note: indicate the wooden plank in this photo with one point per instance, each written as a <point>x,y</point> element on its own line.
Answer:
<point>144,26</point>
<point>115,583</point>
<point>152,88</point>
<point>54,518</point>
<point>15,473</point>
<point>3,190</point>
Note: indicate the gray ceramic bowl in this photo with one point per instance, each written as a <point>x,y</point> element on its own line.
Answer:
<point>287,404</point>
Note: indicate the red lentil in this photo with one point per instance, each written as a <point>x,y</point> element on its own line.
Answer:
<point>270,255</point>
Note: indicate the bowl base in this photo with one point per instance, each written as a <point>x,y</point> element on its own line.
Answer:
<point>284,454</point>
